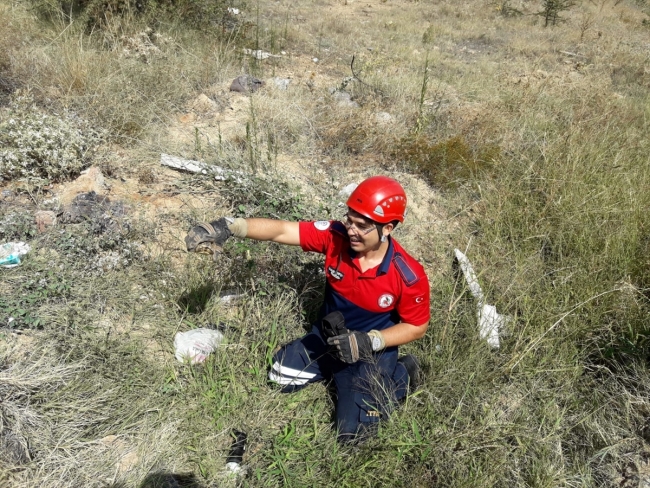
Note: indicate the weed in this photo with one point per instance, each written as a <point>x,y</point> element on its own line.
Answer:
<point>17,225</point>
<point>552,9</point>
<point>27,293</point>
<point>38,146</point>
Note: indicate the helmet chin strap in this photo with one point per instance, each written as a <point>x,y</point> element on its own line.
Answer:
<point>380,228</point>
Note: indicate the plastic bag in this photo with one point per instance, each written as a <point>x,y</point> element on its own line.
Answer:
<point>11,252</point>
<point>197,344</point>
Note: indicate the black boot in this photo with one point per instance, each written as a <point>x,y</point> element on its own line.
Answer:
<point>414,371</point>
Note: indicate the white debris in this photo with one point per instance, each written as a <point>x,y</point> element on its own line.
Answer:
<point>230,298</point>
<point>184,164</point>
<point>196,345</point>
<point>315,60</point>
<point>489,321</point>
<point>220,174</point>
<point>347,190</point>
<point>259,54</point>
<point>233,11</point>
<point>11,252</point>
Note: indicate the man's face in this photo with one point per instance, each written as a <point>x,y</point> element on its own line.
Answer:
<point>361,231</point>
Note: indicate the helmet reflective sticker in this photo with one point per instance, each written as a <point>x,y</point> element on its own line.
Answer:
<point>379,211</point>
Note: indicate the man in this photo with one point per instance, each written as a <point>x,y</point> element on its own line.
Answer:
<point>376,299</point>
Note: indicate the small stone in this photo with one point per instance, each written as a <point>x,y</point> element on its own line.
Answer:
<point>187,118</point>
<point>281,83</point>
<point>246,84</point>
<point>44,219</point>
<point>108,440</point>
<point>347,190</point>
<point>127,462</point>
<point>315,60</point>
<point>344,99</point>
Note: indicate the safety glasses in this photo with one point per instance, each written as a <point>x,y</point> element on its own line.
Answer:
<point>362,229</point>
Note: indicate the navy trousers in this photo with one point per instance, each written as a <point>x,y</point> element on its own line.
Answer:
<point>365,391</point>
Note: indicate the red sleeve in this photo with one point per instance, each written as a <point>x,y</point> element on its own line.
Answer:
<point>315,236</point>
<point>414,305</point>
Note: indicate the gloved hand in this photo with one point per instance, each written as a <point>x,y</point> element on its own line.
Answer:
<point>208,238</point>
<point>352,346</point>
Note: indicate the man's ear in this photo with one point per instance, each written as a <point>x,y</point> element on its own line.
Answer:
<point>388,228</point>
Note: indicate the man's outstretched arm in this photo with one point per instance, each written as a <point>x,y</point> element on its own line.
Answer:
<point>281,231</point>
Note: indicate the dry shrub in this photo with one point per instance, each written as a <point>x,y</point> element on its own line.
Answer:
<point>17,30</point>
<point>355,131</point>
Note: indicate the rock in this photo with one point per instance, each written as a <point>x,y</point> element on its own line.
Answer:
<point>281,83</point>
<point>127,462</point>
<point>344,99</point>
<point>246,84</point>
<point>44,219</point>
<point>347,190</point>
<point>204,104</point>
<point>104,216</point>
<point>109,440</point>
<point>91,180</point>
<point>187,118</point>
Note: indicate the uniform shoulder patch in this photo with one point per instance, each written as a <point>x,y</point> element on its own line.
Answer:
<point>408,275</point>
<point>322,224</point>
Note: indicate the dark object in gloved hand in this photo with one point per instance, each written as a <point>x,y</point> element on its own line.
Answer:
<point>333,324</point>
<point>352,346</point>
<point>208,238</point>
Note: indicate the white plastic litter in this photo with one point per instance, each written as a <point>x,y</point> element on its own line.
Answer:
<point>489,321</point>
<point>220,174</point>
<point>230,298</point>
<point>259,54</point>
<point>196,345</point>
<point>233,10</point>
<point>11,252</point>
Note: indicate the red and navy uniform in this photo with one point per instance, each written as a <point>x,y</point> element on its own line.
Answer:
<point>395,291</point>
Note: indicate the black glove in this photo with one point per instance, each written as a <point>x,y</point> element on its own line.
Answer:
<point>333,324</point>
<point>208,238</point>
<point>352,346</point>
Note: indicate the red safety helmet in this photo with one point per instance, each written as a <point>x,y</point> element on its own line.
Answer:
<point>379,198</point>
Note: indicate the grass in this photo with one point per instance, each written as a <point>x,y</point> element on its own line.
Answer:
<point>525,147</point>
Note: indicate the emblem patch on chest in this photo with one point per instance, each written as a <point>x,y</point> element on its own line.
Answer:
<point>335,273</point>
<point>386,300</point>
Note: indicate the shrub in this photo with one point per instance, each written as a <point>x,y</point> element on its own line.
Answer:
<point>444,163</point>
<point>37,145</point>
